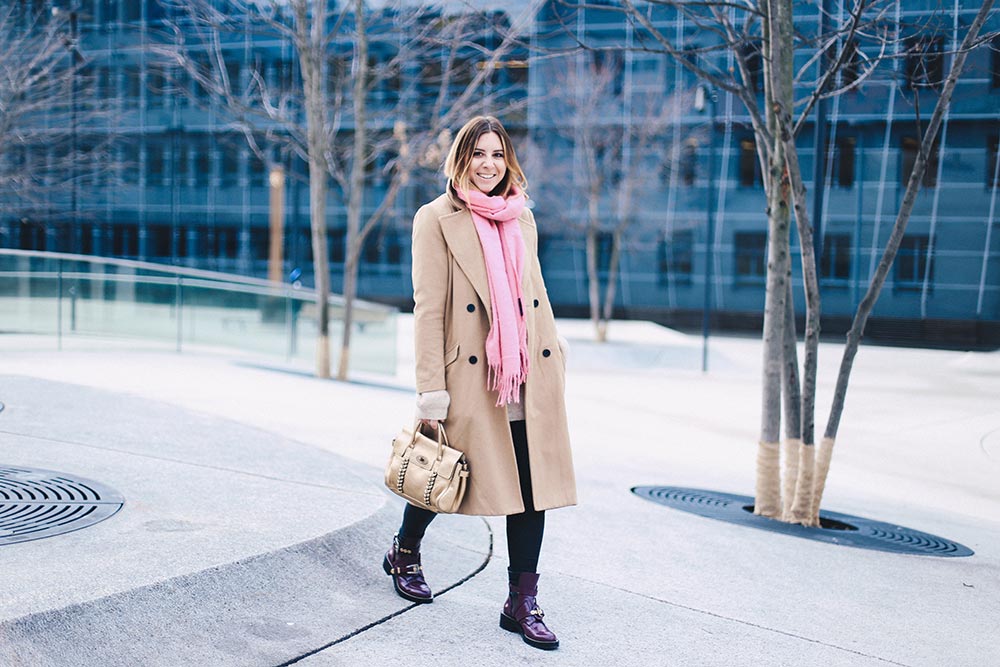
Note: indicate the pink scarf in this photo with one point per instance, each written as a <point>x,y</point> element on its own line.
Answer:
<point>503,249</point>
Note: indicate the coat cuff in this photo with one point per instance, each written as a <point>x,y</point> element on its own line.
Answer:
<point>564,349</point>
<point>433,405</point>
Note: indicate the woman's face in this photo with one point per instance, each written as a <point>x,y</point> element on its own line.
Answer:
<point>488,163</point>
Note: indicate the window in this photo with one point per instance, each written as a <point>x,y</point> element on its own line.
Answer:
<point>230,167</point>
<point>156,84</point>
<point>749,169</point>
<point>32,235</point>
<point>233,74</point>
<point>755,66</point>
<point>689,158</point>
<point>130,160</point>
<point>605,242</point>
<point>992,164</point>
<point>224,243</point>
<point>676,257</point>
<point>124,241</point>
<point>925,61</point>
<point>750,256</point>
<point>850,71</point>
<point>158,241</point>
<point>835,263</point>
<point>610,65</point>
<point>911,262</point>
<point>260,243</point>
<point>155,171</point>
<point>843,161</point>
<point>909,149</point>
<point>336,242</point>
<point>182,162</point>
<point>995,62</point>
<point>203,163</point>
<point>133,82</point>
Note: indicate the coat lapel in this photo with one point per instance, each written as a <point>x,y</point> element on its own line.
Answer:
<point>530,236</point>
<point>460,235</point>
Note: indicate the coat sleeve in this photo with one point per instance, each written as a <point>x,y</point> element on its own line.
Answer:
<point>430,293</point>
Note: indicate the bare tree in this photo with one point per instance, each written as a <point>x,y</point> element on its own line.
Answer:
<point>754,44</point>
<point>622,145</point>
<point>53,133</point>
<point>343,138</point>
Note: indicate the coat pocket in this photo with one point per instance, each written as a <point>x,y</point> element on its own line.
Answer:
<point>451,356</point>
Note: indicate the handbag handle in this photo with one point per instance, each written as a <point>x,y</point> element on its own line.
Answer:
<point>442,438</point>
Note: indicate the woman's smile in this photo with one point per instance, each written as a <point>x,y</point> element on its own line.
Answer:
<point>488,164</point>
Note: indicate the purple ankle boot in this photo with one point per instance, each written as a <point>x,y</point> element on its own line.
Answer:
<point>402,563</point>
<point>521,613</point>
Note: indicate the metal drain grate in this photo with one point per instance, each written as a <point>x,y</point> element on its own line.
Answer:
<point>835,528</point>
<point>42,503</point>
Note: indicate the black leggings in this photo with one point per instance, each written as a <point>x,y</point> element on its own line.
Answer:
<point>524,530</point>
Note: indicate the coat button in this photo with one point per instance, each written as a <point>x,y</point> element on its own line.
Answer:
<point>536,303</point>
<point>546,352</point>
<point>471,308</point>
<point>473,359</point>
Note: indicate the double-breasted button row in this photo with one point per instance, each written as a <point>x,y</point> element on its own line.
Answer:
<point>473,359</point>
<point>546,352</point>
<point>471,308</point>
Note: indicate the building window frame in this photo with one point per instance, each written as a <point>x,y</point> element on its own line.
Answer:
<point>912,263</point>
<point>750,257</point>
<point>835,261</point>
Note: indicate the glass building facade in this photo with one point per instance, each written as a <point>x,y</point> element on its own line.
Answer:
<point>179,184</point>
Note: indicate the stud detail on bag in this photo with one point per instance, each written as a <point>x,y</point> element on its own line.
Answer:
<point>430,487</point>
<point>402,475</point>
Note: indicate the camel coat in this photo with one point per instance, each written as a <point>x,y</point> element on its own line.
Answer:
<point>452,316</point>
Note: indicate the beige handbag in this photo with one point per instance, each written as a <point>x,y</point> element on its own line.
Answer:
<point>426,473</point>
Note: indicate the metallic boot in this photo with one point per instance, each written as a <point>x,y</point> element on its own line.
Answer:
<point>521,613</point>
<point>402,563</point>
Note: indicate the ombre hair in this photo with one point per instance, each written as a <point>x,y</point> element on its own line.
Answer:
<point>459,162</point>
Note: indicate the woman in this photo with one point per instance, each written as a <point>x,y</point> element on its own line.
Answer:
<point>490,366</point>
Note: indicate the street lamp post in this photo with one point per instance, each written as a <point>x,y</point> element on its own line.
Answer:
<point>706,96</point>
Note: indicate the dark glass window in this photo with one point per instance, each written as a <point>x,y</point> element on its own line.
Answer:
<point>130,160</point>
<point>233,73</point>
<point>230,168</point>
<point>749,169</point>
<point>335,242</point>
<point>605,242</point>
<point>843,161</point>
<point>750,255</point>
<point>850,71</point>
<point>155,171</point>
<point>995,62</point>
<point>689,160</point>
<point>131,10</point>
<point>755,65</point>
<point>159,241</point>
<point>925,61</point>
<point>911,261</point>
<point>133,82</point>
<point>203,163</point>
<point>992,176</point>
<point>124,241</point>
<point>676,257</point>
<point>909,149</point>
<point>182,162</point>
<point>225,243</point>
<point>260,243</point>
<point>612,65</point>
<point>835,264</point>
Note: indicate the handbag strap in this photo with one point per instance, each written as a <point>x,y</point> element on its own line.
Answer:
<point>442,438</point>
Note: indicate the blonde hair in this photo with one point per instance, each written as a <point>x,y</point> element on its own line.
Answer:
<point>459,162</point>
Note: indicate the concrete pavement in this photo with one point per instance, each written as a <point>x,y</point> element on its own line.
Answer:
<point>255,519</point>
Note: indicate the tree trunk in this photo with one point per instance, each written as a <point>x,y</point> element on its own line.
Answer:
<point>356,198</point>
<point>611,287</point>
<point>782,49</point>
<point>768,486</point>
<point>311,64</point>
<point>593,272</point>
<point>891,248</point>
<point>792,395</point>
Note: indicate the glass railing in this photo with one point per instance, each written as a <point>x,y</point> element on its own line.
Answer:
<point>78,298</point>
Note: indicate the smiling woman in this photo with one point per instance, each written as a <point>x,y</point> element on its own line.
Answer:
<point>489,365</point>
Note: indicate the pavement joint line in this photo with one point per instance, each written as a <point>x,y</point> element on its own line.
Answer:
<point>190,463</point>
<point>378,622</point>
<point>737,620</point>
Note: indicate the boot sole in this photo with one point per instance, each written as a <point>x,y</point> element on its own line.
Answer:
<point>511,625</point>
<point>400,592</point>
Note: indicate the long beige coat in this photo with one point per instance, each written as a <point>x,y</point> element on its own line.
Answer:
<point>452,316</point>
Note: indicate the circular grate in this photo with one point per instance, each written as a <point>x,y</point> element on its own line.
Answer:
<point>835,528</point>
<point>42,503</point>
